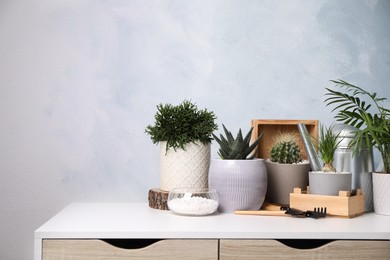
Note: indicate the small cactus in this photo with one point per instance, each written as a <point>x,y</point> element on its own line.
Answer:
<point>286,149</point>
<point>238,148</point>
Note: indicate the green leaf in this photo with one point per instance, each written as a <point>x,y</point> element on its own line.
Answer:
<point>236,148</point>
<point>369,116</point>
<point>181,124</point>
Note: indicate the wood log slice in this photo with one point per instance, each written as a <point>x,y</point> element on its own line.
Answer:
<point>158,199</point>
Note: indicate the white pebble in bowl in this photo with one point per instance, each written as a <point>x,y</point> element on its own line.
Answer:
<point>195,205</point>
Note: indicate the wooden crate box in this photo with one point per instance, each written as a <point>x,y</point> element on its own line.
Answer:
<point>271,128</point>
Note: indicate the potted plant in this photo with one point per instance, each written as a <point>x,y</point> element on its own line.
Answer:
<point>366,111</point>
<point>285,169</point>
<point>239,178</point>
<point>184,134</point>
<point>328,181</point>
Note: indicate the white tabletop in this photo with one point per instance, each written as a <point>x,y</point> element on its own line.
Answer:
<point>137,220</point>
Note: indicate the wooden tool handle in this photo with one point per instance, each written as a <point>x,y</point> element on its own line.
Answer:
<point>261,212</point>
<point>269,206</point>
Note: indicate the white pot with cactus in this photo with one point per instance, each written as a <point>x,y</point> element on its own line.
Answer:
<point>184,135</point>
<point>286,169</point>
<point>239,178</point>
<point>373,132</point>
<point>328,181</point>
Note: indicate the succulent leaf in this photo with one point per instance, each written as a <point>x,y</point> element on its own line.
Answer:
<point>238,148</point>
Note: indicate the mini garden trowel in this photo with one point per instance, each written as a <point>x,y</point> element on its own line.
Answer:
<point>316,213</point>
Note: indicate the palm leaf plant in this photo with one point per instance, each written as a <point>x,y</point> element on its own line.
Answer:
<point>365,111</point>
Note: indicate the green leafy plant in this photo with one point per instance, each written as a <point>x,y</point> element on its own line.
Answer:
<point>238,148</point>
<point>370,117</point>
<point>327,144</point>
<point>182,124</point>
<point>285,149</point>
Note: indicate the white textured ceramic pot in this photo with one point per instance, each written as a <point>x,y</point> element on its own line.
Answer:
<point>240,184</point>
<point>329,183</point>
<point>381,191</point>
<point>186,168</point>
<point>283,178</point>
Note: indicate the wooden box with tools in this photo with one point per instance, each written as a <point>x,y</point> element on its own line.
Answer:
<point>344,205</point>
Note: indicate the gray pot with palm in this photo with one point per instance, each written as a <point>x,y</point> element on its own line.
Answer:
<point>285,169</point>
<point>239,178</point>
<point>328,181</point>
<point>369,114</point>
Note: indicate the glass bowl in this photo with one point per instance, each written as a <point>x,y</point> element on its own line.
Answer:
<point>193,201</point>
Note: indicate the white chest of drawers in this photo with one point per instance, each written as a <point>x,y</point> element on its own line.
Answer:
<point>79,229</point>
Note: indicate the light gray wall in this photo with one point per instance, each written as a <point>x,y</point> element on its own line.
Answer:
<point>79,82</point>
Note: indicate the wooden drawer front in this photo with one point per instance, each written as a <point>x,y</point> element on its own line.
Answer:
<point>272,249</point>
<point>97,249</point>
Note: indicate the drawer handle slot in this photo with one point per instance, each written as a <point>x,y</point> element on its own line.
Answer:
<point>131,243</point>
<point>305,243</point>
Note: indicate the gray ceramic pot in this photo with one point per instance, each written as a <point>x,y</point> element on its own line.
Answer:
<point>283,178</point>
<point>329,183</point>
<point>240,184</point>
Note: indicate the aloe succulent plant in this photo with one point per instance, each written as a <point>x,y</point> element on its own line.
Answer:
<point>285,149</point>
<point>238,148</point>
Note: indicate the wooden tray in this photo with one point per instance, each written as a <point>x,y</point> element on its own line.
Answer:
<point>271,128</point>
<point>343,205</point>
